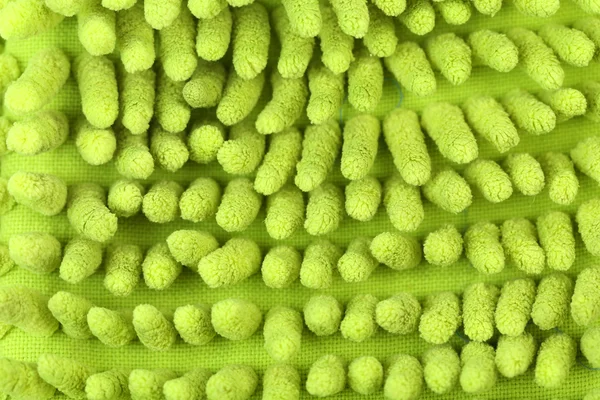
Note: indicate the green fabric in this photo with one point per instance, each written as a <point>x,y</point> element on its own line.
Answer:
<point>66,163</point>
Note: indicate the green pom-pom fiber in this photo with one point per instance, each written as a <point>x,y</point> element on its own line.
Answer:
<point>35,251</point>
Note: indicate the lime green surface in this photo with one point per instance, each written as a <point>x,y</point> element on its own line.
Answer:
<point>66,163</point>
